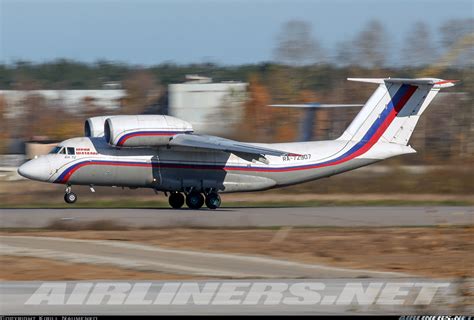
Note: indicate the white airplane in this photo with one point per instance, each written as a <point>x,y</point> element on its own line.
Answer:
<point>162,153</point>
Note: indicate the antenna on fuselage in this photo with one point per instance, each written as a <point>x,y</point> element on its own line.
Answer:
<point>306,129</point>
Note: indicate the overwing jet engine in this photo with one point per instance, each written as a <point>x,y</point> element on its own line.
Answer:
<point>143,131</point>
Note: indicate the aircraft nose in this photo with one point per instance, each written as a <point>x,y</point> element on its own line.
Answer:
<point>36,169</point>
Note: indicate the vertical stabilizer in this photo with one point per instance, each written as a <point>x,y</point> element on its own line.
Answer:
<point>393,110</point>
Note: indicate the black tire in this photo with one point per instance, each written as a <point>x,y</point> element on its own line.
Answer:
<point>213,201</point>
<point>70,197</point>
<point>176,200</point>
<point>194,200</point>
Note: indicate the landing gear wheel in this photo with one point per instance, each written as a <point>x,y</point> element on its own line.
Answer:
<point>194,200</point>
<point>176,200</point>
<point>70,197</point>
<point>213,201</point>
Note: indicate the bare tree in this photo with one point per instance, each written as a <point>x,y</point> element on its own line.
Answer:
<point>372,45</point>
<point>419,48</point>
<point>453,30</point>
<point>296,45</point>
<point>4,133</point>
<point>345,53</point>
<point>457,41</point>
<point>142,91</point>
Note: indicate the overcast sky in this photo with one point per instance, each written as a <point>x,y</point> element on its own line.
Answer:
<point>187,31</point>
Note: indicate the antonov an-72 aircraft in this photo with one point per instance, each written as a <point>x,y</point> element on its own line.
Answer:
<point>162,153</point>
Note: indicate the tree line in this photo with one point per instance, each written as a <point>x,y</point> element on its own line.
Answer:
<point>301,71</point>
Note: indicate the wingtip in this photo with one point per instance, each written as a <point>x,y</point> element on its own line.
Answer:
<point>368,80</point>
<point>447,81</point>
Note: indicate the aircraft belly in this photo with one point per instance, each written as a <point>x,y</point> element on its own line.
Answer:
<point>288,177</point>
<point>236,182</point>
<point>231,179</point>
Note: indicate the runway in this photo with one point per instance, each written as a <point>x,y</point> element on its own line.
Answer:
<point>246,217</point>
<point>154,258</point>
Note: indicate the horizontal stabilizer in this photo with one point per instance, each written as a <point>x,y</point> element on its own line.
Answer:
<point>437,83</point>
<point>315,105</point>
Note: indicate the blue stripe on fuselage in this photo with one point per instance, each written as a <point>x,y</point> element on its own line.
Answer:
<point>365,139</point>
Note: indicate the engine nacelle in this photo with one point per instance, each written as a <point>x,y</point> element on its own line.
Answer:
<point>143,130</point>
<point>94,127</point>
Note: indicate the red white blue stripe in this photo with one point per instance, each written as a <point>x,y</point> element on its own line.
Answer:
<point>130,135</point>
<point>373,134</point>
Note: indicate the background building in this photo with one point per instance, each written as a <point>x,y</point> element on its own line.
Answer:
<point>73,101</point>
<point>212,108</point>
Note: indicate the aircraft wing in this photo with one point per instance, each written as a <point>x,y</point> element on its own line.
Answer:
<point>221,144</point>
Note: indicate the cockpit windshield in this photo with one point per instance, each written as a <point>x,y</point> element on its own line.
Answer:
<point>55,150</point>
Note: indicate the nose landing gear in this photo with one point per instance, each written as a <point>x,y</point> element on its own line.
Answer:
<point>69,196</point>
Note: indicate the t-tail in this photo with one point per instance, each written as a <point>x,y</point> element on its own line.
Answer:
<point>392,112</point>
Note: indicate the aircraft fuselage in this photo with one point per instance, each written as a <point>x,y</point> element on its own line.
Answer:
<point>96,163</point>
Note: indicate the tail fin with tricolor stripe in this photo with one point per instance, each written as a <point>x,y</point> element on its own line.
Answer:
<point>392,112</point>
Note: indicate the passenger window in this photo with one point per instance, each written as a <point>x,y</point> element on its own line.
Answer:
<point>70,151</point>
<point>63,151</point>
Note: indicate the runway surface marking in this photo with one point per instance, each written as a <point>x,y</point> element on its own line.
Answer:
<point>153,258</point>
<point>245,217</point>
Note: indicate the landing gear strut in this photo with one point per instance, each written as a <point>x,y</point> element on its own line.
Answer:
<point>194,200</point>
<point>213,200</point>
<point>69,196</point>
<point>176,200</point>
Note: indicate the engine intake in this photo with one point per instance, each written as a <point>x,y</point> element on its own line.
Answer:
<point>143,130</point>
<point>94,127</point>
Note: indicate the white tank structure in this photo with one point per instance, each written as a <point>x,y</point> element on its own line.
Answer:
<point>212,108</point>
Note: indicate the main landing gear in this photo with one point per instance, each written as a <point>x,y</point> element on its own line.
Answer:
<point>176,200</point>
<point>194,200</point>
<point>69,196</point>
<point>213,200</point>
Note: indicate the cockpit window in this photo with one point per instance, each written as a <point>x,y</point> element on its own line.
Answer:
<point>55,150</point>
<point>63,150</point>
